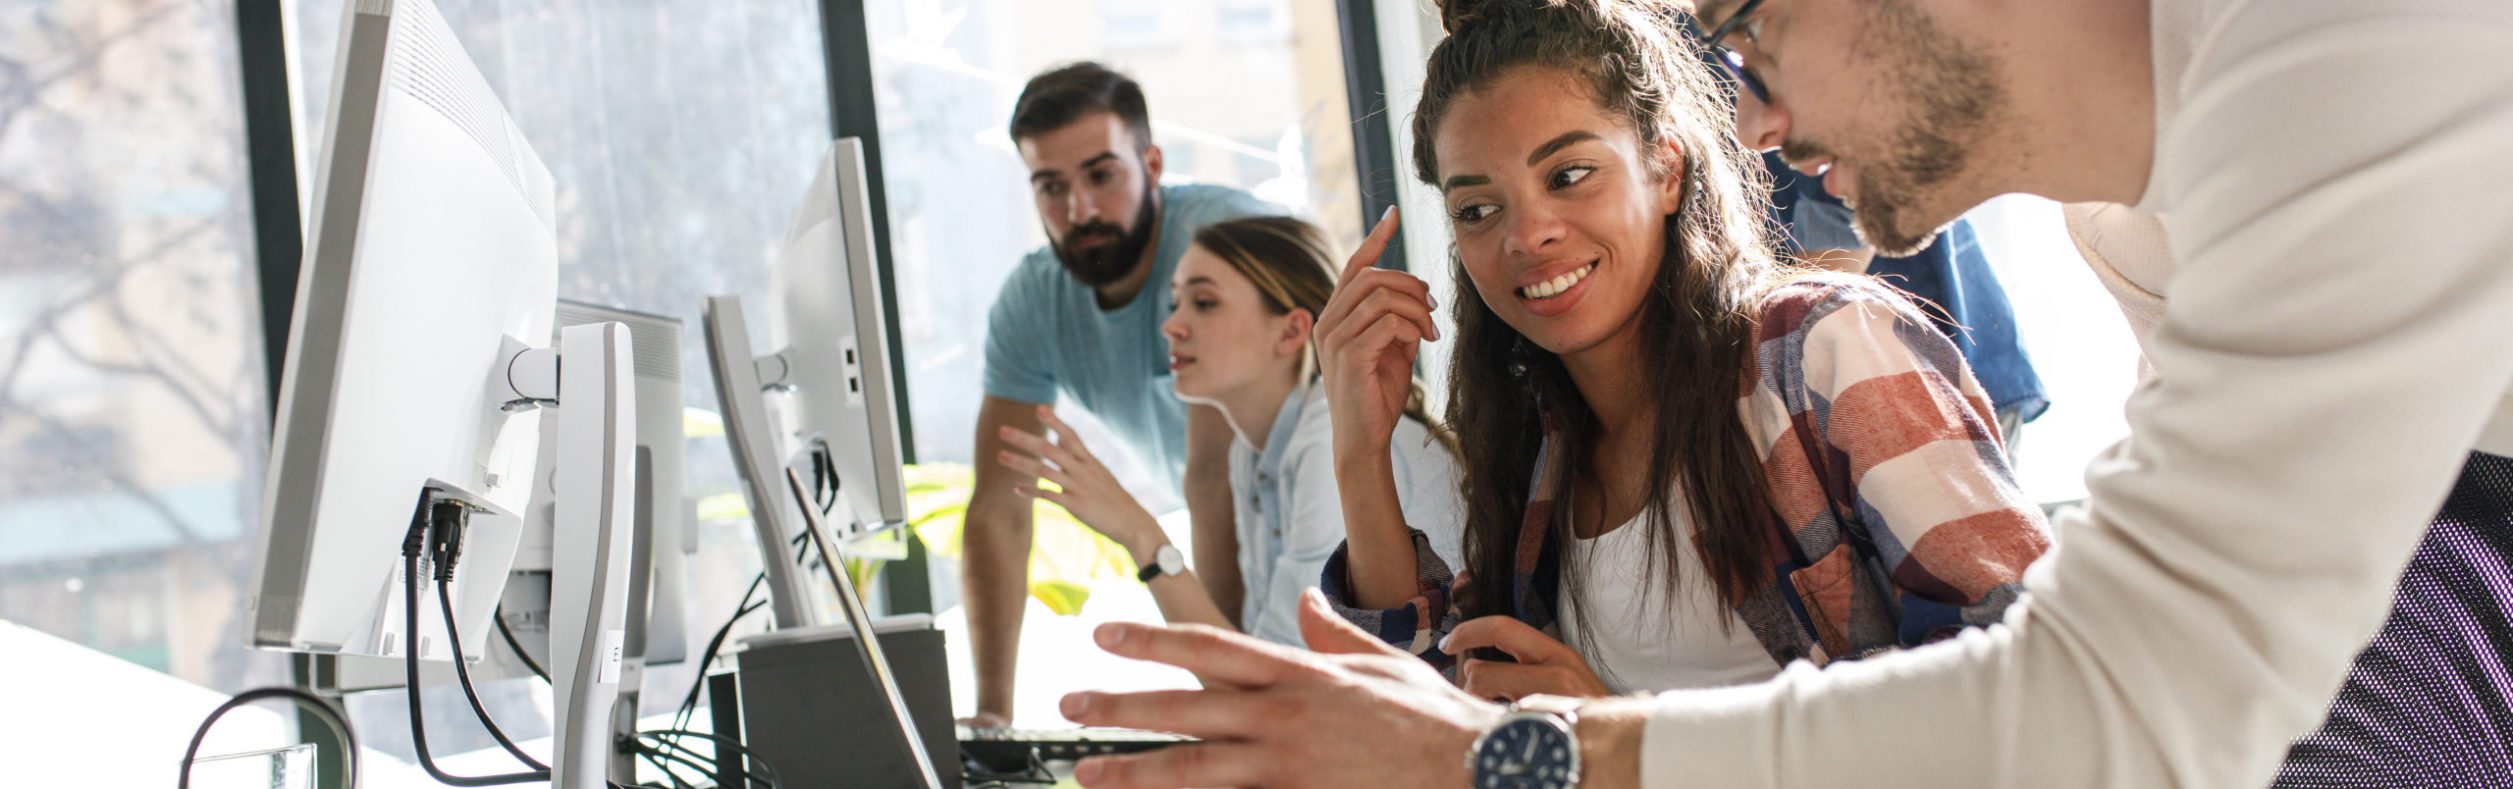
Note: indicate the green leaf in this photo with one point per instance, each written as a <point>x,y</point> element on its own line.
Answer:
<point>1065,556</point>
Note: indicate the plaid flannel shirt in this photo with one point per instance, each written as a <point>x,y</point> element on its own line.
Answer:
<point>1893,508</point>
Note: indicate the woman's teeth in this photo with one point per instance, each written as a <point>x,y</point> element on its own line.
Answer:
<point>1554,287</point>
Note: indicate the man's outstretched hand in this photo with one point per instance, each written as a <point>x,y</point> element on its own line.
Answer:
<point>1355,712</point>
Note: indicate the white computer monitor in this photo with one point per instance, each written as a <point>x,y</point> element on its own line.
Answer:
<point>417,361</point>
<point>821,395</point>
<point>828,325</point>
<point>431,258</point>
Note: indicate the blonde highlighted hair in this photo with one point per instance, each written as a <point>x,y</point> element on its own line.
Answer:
<point>1294,267</point>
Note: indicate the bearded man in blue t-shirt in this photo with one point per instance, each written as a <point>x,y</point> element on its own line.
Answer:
<point>1079,319</point>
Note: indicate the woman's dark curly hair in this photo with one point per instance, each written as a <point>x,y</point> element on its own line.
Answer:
<point>1697,324</point>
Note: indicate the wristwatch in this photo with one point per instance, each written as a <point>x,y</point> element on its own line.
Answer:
<point>1166,561</point>
<point>1535,746</point>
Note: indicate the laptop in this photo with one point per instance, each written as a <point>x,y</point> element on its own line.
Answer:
<point>994,754</point>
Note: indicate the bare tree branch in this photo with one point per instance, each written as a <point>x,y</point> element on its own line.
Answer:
<point>107,281</point>
<point>121,480</point>
<point>26,94</point>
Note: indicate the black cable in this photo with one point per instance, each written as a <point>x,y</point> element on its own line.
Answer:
<point>764,774</point>
<point>722,746</point>
<point>324,710</point>
<point>517,646</point>
<point>689,703</point>
<point>410,653</point>
<point>651,758</point>
<point>453,640</point>
<point>659,758</point>
<point>683,756</point>
<point>632,747</point>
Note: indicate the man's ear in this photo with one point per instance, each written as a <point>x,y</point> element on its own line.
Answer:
<point>1295,333</point>
<point>1153,165</point>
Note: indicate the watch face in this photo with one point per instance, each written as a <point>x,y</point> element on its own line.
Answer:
<point>1526,753</point>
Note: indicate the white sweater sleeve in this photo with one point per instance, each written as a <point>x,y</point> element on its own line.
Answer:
<point>2339,182</point>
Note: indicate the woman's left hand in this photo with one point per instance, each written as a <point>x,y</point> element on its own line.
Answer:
<point>1544,665</point>
<point>1089,490</point>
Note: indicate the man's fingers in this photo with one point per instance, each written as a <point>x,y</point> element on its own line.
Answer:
<point>1328,632</point>
<point>1180,766</point>
<point>1524,643</point>
<point>1210,654</point>
<point>1367,255</point>
<point>1204,714</point>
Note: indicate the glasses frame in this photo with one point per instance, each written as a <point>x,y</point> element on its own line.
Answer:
<point>1727,56</point>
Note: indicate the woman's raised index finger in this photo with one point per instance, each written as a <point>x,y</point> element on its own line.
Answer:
<point>1374,245</point>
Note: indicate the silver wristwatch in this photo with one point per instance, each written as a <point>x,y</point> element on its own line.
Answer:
<point>1535,746</point>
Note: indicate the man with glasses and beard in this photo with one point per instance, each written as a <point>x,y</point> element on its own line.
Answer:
<point>2330,403</point>
<point>1079,318</point>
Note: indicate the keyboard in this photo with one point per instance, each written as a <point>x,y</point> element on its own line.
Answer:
<point>1013,750</point>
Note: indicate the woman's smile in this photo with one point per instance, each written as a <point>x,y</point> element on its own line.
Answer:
<point>1553,288</point>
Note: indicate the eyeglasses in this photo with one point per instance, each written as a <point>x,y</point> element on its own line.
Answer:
<point>1727,57</point>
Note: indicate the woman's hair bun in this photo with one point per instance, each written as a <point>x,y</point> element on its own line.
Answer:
<point>1456,14</point>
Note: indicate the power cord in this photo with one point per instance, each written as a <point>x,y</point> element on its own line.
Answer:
<point>453,640</point>
<point>765,773</point>
<point>689,702</point>
<point>446,516</point>
<point>517,646</point>
<point>330,715</point>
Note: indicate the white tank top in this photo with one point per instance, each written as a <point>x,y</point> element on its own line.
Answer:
<point>1637,641</point>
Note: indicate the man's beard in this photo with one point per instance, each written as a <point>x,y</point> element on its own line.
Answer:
<point>1108,262</point>
<point>1950,98</point>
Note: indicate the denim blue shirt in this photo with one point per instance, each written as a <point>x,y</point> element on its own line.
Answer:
<point>1291,517</point>
<point>1951,273</point>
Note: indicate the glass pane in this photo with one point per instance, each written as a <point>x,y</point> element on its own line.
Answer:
<point>681,134</point>
<point>133,419</point>
<point>1245,93</point>
<point>2080,344</point>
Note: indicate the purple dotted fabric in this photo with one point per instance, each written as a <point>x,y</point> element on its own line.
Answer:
<point>2430,702</point>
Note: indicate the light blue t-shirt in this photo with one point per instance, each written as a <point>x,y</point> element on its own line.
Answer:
<point>1047,334</point>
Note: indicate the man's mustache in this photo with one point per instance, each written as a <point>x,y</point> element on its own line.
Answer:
<point>1093,229</point>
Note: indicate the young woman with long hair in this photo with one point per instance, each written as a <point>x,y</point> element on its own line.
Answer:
<point>1691,462</point>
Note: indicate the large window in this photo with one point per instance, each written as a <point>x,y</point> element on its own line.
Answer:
<point>1246,93</point>
<point>132,413</point>
<point>2080,344</point>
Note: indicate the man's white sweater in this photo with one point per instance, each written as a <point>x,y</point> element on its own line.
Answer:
<point>2336,181</point>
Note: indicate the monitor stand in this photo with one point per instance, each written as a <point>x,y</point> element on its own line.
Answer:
<point>595,489</point>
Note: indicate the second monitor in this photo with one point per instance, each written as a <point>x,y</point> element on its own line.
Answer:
<point>820,398</point>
